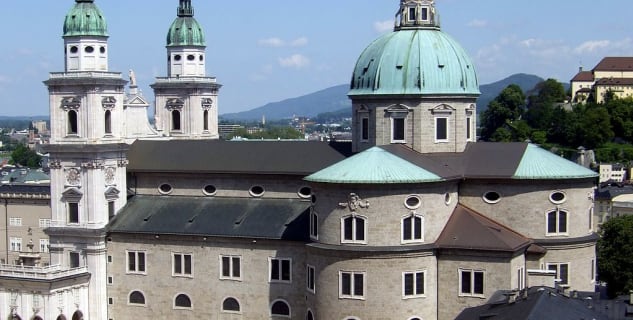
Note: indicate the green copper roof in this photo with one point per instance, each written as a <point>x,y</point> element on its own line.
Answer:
<point>85,19</point>
<point>538,163</point>
<point>185,30</point>
<point>373,166</point>
<point>418,61</point>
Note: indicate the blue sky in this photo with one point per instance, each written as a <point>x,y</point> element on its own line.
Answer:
<point>265,51</point>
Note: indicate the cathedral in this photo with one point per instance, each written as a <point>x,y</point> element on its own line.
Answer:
<point>418,221</point>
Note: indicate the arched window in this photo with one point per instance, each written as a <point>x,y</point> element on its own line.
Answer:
<point>557,222</point>
<point>108,122</point>
<point>14,317</point>
<point>61,317</point>
<point>175,120</point>
<point>136,297</point>
<point>37,318</point>
<point>309,315</point>
<point>182,301</point>
<point>230,305</point>
<point>78,315</point>
<point>353,229</point>
<point>205,120</point>
<point>413,228</point>
<point>72,122</point>
<point>280,308</point>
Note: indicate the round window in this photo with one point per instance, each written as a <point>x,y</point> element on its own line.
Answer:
<point>165,188</point>
<point>557,197</point>
<point>201,58</point>
<point>492,197</point>
<point>74,49</point>
<point>89,49</point>
<point>256,191</point>
<point>102,50</point>
<point>209,190</point>
<point>305,192</point>
<point>191,57</point>
<point>177,57</point>
<point>447,198</point>
<point>412,202</point>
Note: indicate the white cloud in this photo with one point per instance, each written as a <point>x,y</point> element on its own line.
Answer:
<point>272,42</point>
<point>592,46</point>
<point>478,23</point>
<point>383,26</point>
<point>297,61</point>
<point>299,42</point>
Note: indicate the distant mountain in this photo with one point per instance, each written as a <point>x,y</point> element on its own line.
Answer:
<point>29,118</point>
<point>310,105</point>
<point>490,91</point>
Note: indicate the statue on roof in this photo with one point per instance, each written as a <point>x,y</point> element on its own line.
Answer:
<point>132,78</point>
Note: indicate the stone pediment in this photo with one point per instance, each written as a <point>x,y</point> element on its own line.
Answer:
<point>136,101</point>
<point>72,193</point>
<point>112,193</point>
<point>443,108</point>
<point>399,108</point>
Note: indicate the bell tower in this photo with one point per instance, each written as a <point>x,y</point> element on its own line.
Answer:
<point>186,100</point>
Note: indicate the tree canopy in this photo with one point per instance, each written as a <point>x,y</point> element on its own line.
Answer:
<point>615,255</point>
<point>269,133</point>
<point>26,157</point>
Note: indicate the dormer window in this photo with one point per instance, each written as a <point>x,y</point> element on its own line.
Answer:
<point>424,14</point>
<point>412,14</point>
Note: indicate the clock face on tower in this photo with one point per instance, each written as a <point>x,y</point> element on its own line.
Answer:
<point>73,177</point>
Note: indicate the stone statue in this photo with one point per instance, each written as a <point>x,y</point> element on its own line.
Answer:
<point>132,78</point>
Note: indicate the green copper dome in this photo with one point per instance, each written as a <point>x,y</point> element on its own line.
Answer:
<point>185,30</point>
<point>416,59</point>
<point>85,19</point>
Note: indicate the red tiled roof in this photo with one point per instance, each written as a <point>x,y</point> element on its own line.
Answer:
<point>615,81</point>
<point>615,64</point>
<point>467,229</point>
<point>583,76</point>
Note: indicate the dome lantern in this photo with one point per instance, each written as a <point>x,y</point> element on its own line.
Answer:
<point>417,14</point>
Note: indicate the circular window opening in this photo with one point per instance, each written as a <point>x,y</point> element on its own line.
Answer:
<point>74,49</point>
<point>191,57</point>
<point>447,198</point>
<point>89,49</point>
<point>209,190</point>
<point>305,192</point>
<point>557,197</point>
<point>313,199</point>
<point>412,202</point>
<point>201,58</point>
<point>165,188</point>
<point>177,57</point>
<point>256,191</point>
<point>492,197</point>
<point>102,49</point>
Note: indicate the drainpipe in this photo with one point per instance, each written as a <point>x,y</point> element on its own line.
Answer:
<point>6,228</point>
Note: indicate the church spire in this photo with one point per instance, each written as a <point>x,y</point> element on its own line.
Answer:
<point>417,14</point>
<point>185,9</point>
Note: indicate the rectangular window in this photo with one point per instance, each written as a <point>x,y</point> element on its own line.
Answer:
<point>353,229</point>
<point>111,210</point>
<point>44,245</point>
<point>521,278</point>
<point>412,12</point>
<point>413,284</point>
<point>74,260</point>
<point>15,222</point>
<point>314,225</point>
<point>397,130</point>
<point>280,270</point>
<point>45,223</point>
<point>110,280</point>
<point>230,267</point>
<point>311,278</point>
<point>136,262</point>
<point>16,244</point>
<point>364,129</point>
<point>471,282</point>
<point>441,129</point>
<point>469,128</point>
<point>183,265</point>
<point>73,212</point>
<point>562,272</point>
<point>352,285</point>
<point>425,14</point>
<point>593,270</point>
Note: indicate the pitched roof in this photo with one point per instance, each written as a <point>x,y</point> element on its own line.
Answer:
<point>493,159</point>
<point>615,81</point>
<point>262,157</point>
<point>615,64</point>
<point>372,166</point>
<point>583,76</point>
<point>467,229</point>
<point>284,219</point>
<point>538,163</point>
<point>540,303</point>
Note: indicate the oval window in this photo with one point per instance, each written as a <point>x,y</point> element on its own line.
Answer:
<point>492,197</point>
<point>89,49</point>
<point>209,190</point>
<point>412,202</point>
<point>201,58</point>
<point>177,57</point>
<point>191,57</point>
<point>74,49</point>
<point>256,191</point>
<point>102,49</point>
<point>313,199</point>
<point>557,197</point>
<point>165,188</point>
<point>447,198</point>
<point>305,192</point>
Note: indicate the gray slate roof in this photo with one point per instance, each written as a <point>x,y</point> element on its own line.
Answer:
<point>280,219</point>
<point>215,156</point>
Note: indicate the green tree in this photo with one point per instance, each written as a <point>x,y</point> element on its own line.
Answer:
<point>26,157</point>
<point>540,109</point>
<point>615,255</point>
<point>507,107</point>
<point>595,127</point>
